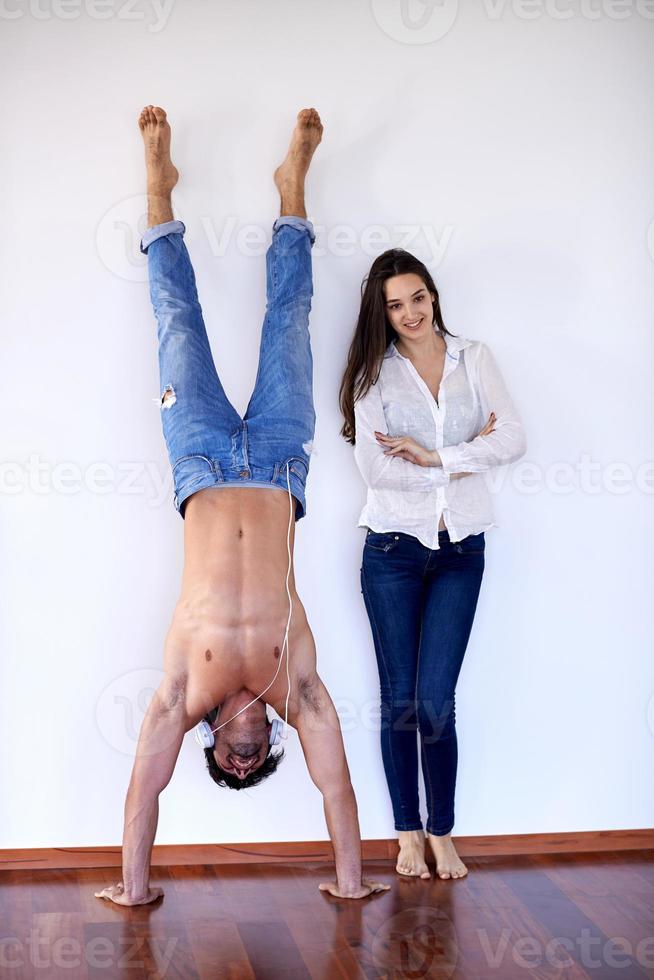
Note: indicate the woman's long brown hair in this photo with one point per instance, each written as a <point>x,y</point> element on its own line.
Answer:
<point>373,331</point>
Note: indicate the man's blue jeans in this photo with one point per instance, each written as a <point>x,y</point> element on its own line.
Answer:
<point>209,444</point>
<point>421,605</point>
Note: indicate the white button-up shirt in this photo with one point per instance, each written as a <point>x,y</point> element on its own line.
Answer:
<point>403,496</point>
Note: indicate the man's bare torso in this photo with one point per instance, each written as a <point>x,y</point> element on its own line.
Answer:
<point>229,624</point>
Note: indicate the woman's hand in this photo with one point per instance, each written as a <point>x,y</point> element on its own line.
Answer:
<point>407,448</point>
<point>490,425</point>
<point>366,888</point>
<point>116,894</point>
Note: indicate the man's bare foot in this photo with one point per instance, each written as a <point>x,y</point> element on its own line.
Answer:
<point>411,859</point>
<point>448,862</point>
<point>290,175</point>
<point>161,174</point>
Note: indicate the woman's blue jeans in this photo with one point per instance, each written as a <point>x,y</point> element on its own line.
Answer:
<point>421,605</point>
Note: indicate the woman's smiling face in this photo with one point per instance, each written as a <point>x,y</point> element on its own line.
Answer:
<point>409,305</point>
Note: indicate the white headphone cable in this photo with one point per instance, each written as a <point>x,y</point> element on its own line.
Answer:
<point>285,644</point>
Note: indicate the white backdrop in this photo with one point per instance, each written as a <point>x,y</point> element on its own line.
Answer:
<point>510,146</point>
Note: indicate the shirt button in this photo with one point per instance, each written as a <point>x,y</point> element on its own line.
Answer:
<point>244,473</point>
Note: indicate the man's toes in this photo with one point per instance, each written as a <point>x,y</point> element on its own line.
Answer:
<point>159,113</point>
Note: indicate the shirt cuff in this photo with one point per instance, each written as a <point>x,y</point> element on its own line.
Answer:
<point>450,459</point>
<point>438,476</point>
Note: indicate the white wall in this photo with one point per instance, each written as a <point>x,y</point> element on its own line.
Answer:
<point>519,143</point>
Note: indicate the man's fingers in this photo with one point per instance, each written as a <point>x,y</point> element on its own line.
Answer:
<point>376,886</point>
<point>109,891</point>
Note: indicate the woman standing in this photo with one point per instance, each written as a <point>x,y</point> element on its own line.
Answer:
<point>428,413</point>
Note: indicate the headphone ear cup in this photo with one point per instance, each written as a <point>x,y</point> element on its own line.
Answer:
<point>204,736</point>
<point>275,732</point>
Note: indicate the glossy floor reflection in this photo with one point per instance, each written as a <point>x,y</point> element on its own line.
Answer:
<point>564,916</point>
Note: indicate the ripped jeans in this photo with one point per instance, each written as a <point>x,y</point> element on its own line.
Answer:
<point>421,605</point>
<point>208,442</point>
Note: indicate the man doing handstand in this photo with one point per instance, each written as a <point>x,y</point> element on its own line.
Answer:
<point>240,487</point>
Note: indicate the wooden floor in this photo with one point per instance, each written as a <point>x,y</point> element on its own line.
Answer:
<point>563,916</point>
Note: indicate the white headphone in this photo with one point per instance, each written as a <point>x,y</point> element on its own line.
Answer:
<point>204,733</point>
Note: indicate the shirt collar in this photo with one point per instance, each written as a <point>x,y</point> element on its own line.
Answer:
<point>452,345</point>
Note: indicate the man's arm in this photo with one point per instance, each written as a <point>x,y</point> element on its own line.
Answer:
<point>319,730</point>
<point>160,740</point>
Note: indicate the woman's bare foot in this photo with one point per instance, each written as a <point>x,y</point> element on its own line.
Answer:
<point>448,862</point>
<point>411,859</point>
<point>161,174</point>
<point>290,175</point>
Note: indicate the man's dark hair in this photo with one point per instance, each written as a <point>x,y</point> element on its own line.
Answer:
<point>222,778</point>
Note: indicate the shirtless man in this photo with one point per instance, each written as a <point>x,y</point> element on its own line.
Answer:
<point>240,487</point>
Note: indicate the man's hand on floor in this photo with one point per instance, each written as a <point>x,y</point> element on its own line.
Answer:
<point>366,888</point>
<point>117,895</point>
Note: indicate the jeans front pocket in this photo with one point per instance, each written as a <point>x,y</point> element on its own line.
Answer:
<point>189,470</point>
<point>473,544</point>
<point>381,540</point>
<point>296,465</point>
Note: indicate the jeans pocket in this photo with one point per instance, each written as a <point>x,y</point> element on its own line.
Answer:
<point>189,470</point>
<point>473,544</point>
<point>381,540</point>
<point>296,465</point>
